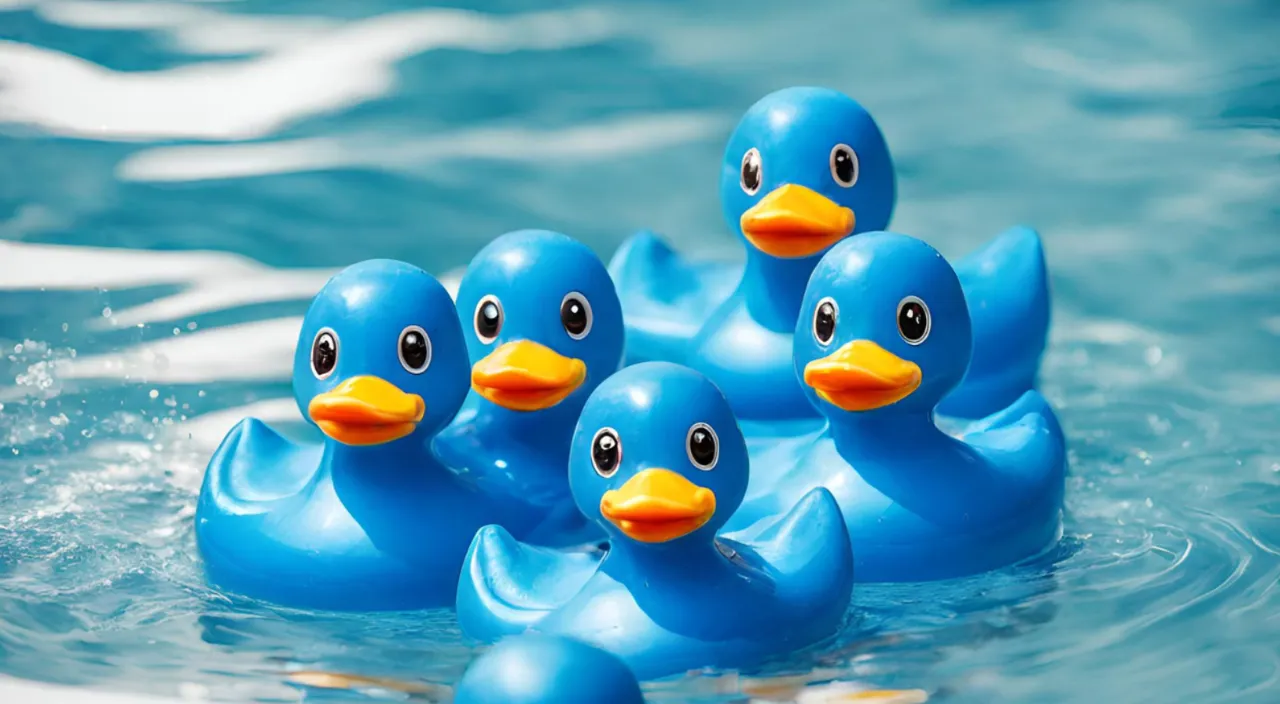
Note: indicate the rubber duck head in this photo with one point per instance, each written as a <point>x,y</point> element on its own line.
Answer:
<point>883,328</point>
<point>658,457</point>
<point>380,357</point>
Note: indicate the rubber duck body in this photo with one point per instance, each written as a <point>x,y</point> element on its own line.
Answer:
<point>534,669</point>
<point>368,519</point>
<point>544,328</point>
<point>659,462</point>
<point>806,168</point>
<point>885,336</point>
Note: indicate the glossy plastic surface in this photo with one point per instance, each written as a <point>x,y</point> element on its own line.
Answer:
<point>532,371</point>
<point>734,322</point>
<point>668,595</point>
<point>369,519</point>
<point>919,504</point>
<point>538,669</point>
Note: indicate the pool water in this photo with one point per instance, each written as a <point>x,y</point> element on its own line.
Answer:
<point>176,180</point>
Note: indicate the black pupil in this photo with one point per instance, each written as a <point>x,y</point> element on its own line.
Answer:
<point>702,446</point>
<point>913,321</point>
<point>573,315</point>
<point>751,171</point>
<point>824,323</point>
<point>604,453</point>
<point>324,354</point>
<point>413,348</point>
<point>844,165</point>
<point>488,319</point>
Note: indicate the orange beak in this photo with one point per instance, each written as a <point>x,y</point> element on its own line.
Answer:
<point>793,221</point>
<point>658,505</point>
<point>526,376</point>
<point>366,410</point>
<point>861,376</point>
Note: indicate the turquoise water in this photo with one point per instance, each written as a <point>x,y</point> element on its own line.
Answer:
<point>231,154</point>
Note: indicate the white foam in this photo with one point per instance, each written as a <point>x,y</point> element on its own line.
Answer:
<point>26,266</point>
<point>15,690</point>
<point>582,143</point>
<point>211,281</point>
<point>203,433</point>
<point>261,350</point>
<point>244,99</point>
<point>223,293</point>
<point>190,28</point>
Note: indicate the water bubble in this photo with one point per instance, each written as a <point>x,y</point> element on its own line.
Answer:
<point>154,393</point>
<point>106,312</point>
<point>191,325</point>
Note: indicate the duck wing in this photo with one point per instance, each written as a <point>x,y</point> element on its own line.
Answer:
<point>507,586</point>
<point>1006,285</point>
<point>666,297</point>
<point>1025,442</point>
<point>808,550</point>
<point>254,467</point>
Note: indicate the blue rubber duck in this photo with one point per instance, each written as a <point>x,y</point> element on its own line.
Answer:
<point>659,462</point>
<point>806,168</point>
<point>544,328</point>
<point>369,519</point>
<point>884,337</point>
<point>538,669</point>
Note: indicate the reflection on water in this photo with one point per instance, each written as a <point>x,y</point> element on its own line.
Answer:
<point>176,180</point>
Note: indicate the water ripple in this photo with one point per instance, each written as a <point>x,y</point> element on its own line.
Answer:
<point>137,323</point>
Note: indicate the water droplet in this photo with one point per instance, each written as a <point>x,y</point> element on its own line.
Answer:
<point>65,327</point>
<point>191,325</point>
<point>154,393</point>
<point>177,331</point>
<point>106,312</point>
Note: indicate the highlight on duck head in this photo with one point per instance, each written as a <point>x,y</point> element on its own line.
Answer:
<point>380,356</point>
<point>805,168</point>
<point>658,456</point>
<point>883,327</point>
<point>543,321</point>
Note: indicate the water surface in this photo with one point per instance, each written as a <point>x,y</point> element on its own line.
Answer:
<point>177,179</point>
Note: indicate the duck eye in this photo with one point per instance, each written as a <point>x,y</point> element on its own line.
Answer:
<point>575,315</point>
<point>324,353</point>
<point>606,452</point>
<point>824,320</point>
<point>488,319</point>
<point>913,320</point>
<point>703,446</point>
<point>415,350</point>
<point>751,175</point>
<point>844,165</point>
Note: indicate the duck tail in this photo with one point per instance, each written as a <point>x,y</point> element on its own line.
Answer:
<point>809,546</point>
<point>1030,411</point>
<point>506,586</point>
<point>250,438</point>
<point>1006,287</point>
